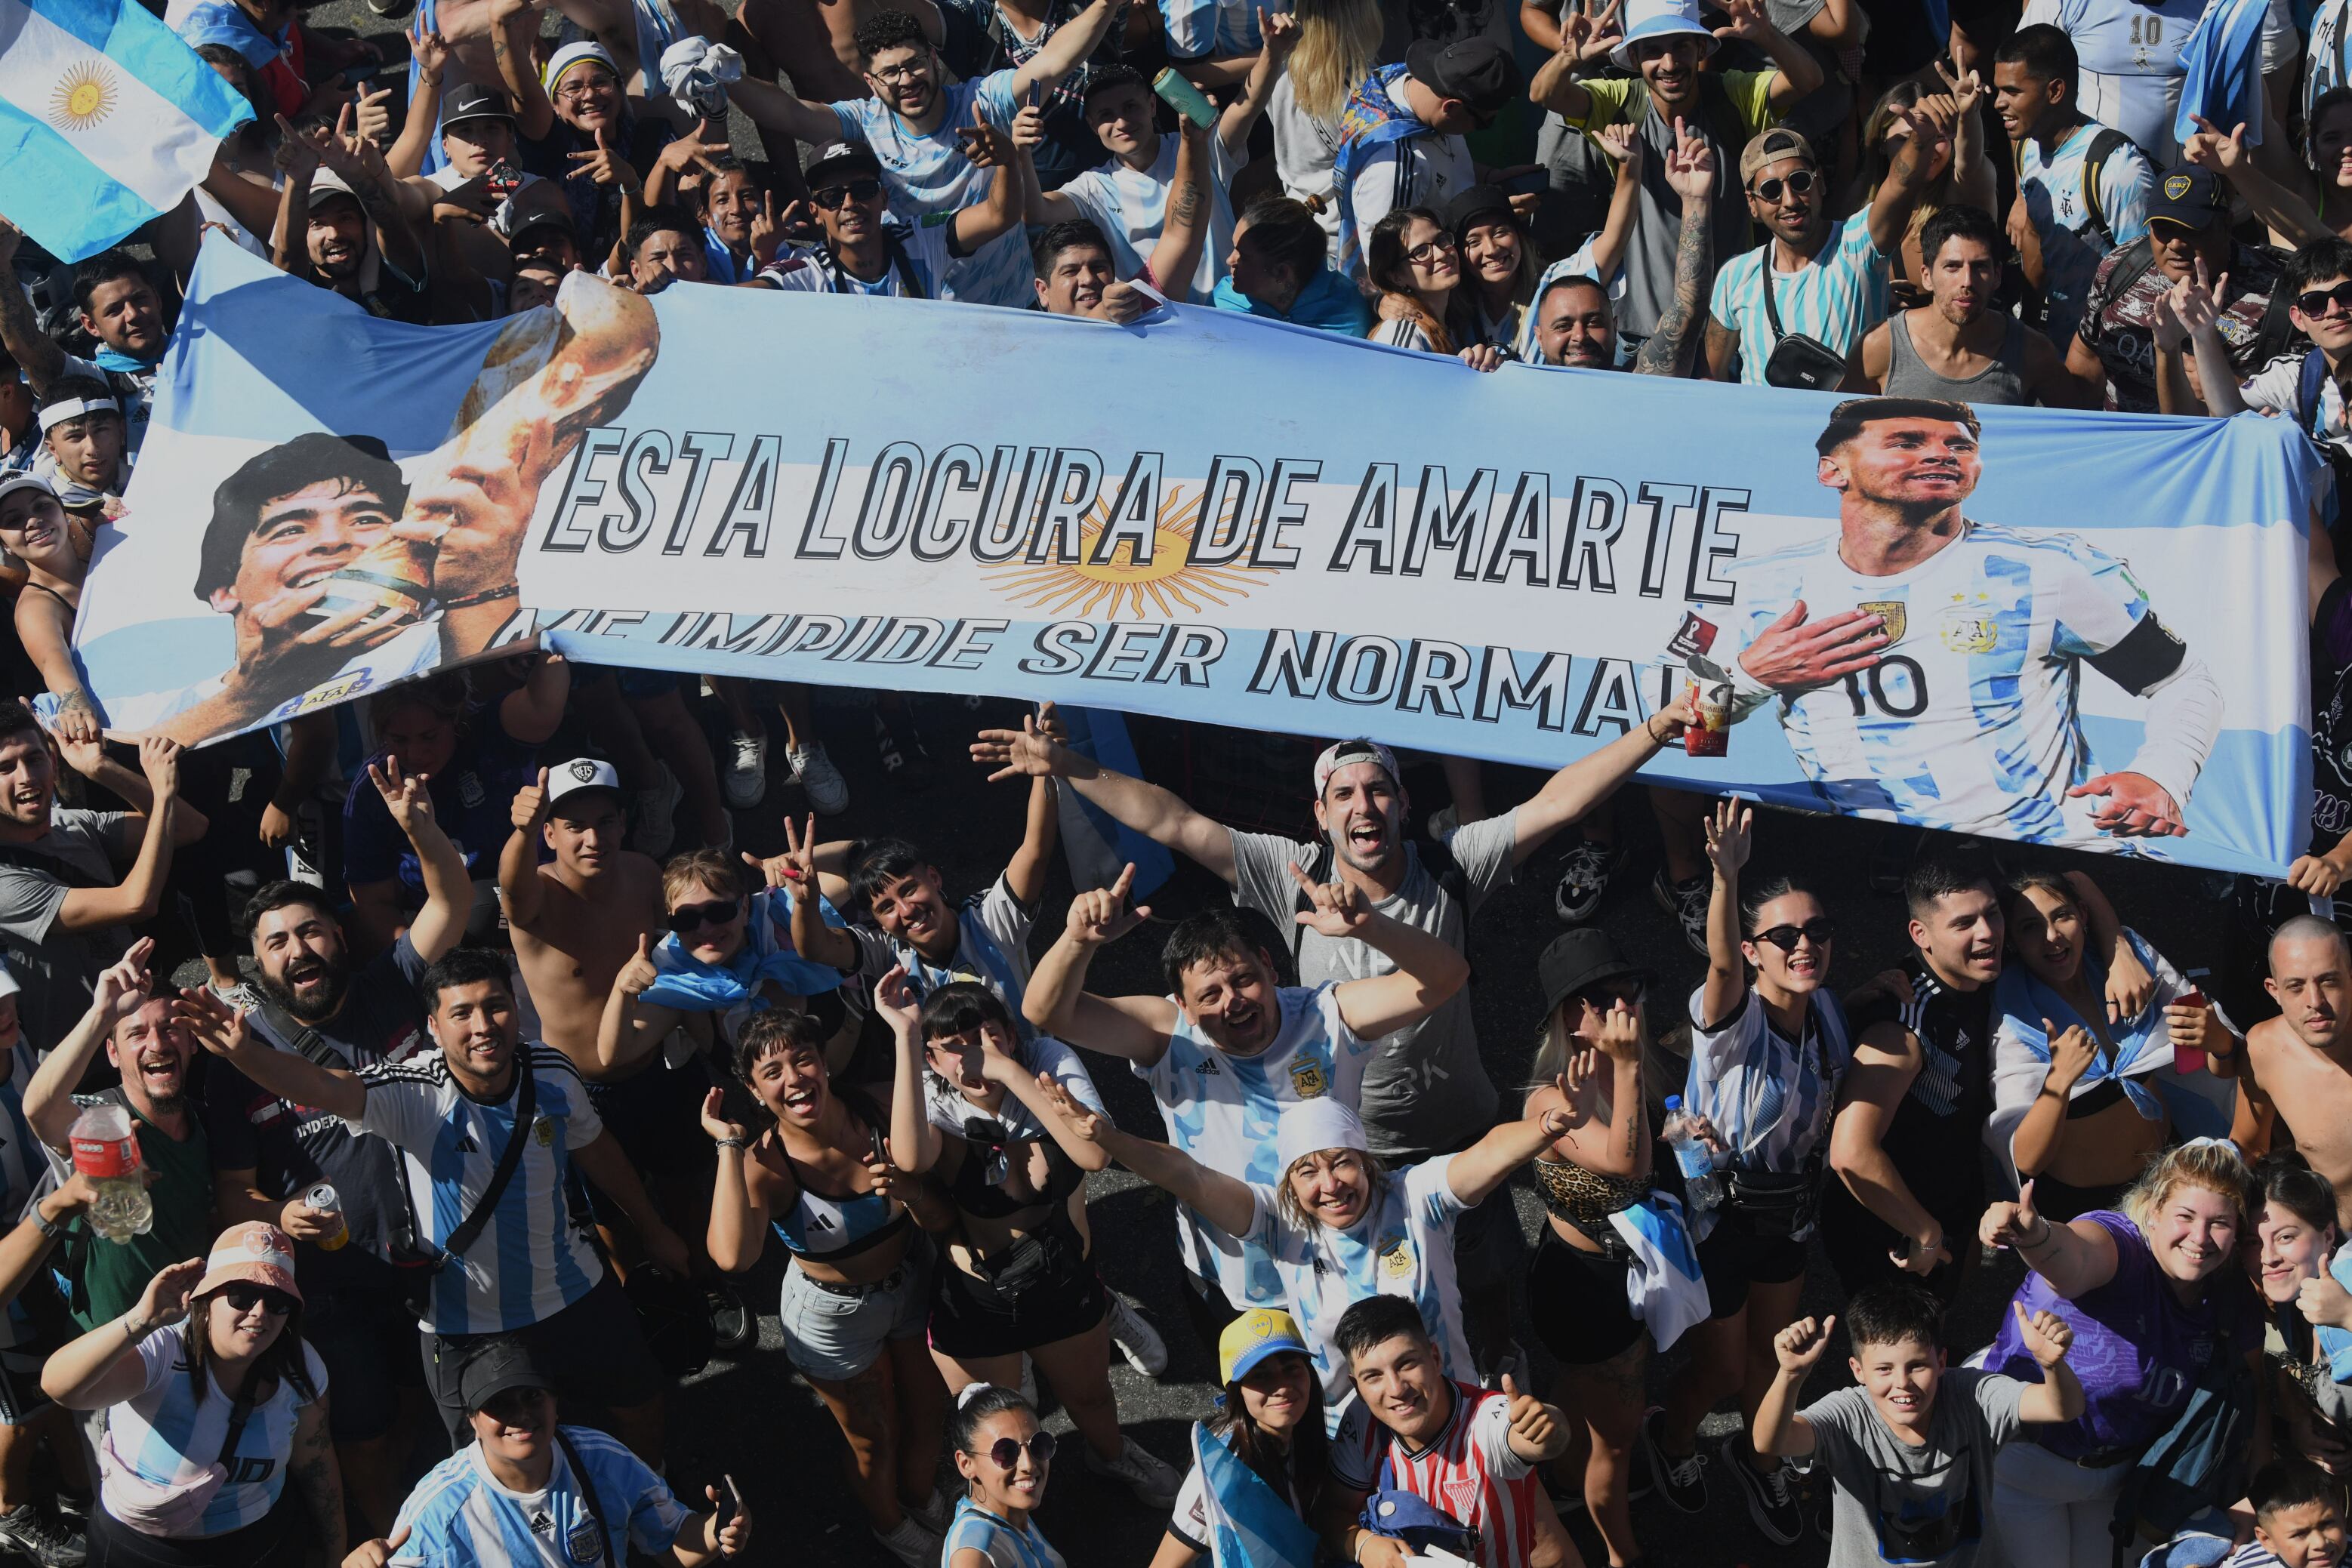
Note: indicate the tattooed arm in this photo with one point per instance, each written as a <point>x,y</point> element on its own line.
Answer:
<point>313,1472</point>
<point>1690,170</point>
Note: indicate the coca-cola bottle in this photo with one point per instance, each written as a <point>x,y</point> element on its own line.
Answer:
<point>106,1150</point>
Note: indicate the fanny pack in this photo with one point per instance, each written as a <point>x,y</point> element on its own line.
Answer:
<point>1806,363</point>
<point>1778,1205</point>
<point>171,1508</point>
<point>1038,1259</point>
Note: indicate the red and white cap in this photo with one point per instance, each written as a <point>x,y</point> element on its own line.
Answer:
<point>256,1250</point>
<point>1338,754</point>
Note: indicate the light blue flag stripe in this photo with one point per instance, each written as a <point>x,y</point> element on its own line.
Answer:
<point>58,196</point>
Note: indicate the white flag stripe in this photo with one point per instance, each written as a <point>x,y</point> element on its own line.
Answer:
<point>142,140</point>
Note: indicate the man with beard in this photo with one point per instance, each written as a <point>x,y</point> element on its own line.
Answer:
<point>151,1050</point>
<point>2294,1075</point>
<point>1425,1090</point>
<point>1075,276</point>
<point>340,225</point>
<point>269,1151</point>
<point>1576,325</point>
<point>865,251</point>
<point>1961,345</point>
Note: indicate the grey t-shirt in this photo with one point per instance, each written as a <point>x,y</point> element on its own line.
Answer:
<point>1425,1090</point>
<point>1923,1506</point>
<point>57,968</point>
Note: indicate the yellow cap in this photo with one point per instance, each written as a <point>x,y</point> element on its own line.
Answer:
<point>1252,1337</point>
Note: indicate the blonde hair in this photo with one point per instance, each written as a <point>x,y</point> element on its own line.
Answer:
<point>1376,1177</point>
<point>1338,44</point>
<point>717,870</point>
<point>2212,1164</point>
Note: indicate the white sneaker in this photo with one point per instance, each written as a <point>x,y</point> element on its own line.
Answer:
<point>936,1511</point>
<point>1142,1472</point>
<point>745,778</point>
<point>1135,1338</point>
<point>913,1542</point>
<point>657,814</point>
<point>828,792</point>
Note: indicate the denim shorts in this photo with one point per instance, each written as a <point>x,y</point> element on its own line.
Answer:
<point>835,1337</point>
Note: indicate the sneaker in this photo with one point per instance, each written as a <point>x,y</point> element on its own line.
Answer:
<point>827,790</point>
<point>25,1530</point>
<point>936,1511</point>
<point>1142,1472</point>
<point>905,762</point>
<point>391,10</point>
<point>913,1542</point>
<point>745,776</point>
<point>241,996</point>
<point>1686,902</point>
<point>1135,1338</point>
<point>1770,1503</point>
<point>1584,880</point>
<point>657,814</point>
<point>1443,823</point>
<point>1681,1481</point>
<point>732,1323</point>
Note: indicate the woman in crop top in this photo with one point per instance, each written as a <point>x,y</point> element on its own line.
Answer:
<point>1589,1069</point>
<point>858,1290</point>
<point>1015,1278</point>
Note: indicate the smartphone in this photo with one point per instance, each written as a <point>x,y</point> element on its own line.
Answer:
<point>1185,98</point>
<point>2186,1061</point>
<point>1534,182</point>
<point>730,1503</point>
<point>502,179</point>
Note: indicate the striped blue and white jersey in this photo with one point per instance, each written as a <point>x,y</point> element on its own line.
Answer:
<point>1835,299</point>
<point>1221,1109</point>
<point>168,1430</point>
<point>460,1517</point>
<point>530,1261</point>
<point>928,177</point>
<point>1970,719</point>
<point>1404,1246</point>
<point>2071,248</point>
<point>975,1529</point>
<point>1769,1097</point>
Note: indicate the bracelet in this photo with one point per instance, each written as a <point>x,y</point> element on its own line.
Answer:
<point>55,1229</point>
<point>487,596</point>
<point>2047,1232</point>
<point>732,1143</point>
<point>137,1328</point>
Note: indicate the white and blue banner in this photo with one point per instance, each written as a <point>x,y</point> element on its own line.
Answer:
<point>2084,628</point>
<point>107,120</point>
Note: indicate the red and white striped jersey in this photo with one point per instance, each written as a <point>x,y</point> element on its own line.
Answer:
<point>1469,1471</point>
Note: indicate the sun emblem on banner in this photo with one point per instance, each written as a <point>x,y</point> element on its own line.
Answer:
<point>1117,589</point>
<point>82,98</point>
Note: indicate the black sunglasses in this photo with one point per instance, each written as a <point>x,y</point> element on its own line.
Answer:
<point>1006,1452</point>
<point>1800,181</point>
<point>2314,302</point>
<point>1609,993</point>
<point>243,1296</point>
<point>1819,930</point>
<point>834,196</point>
<point>695,916</point>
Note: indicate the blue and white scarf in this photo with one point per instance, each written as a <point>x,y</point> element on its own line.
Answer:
<point>690,986</point>
<point>1664,1287</point>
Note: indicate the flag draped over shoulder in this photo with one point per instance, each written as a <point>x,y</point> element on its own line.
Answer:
<point>107,120</point>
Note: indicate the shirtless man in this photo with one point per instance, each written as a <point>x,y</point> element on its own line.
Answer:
<point>577,919</point>
<point>2303,1058</point>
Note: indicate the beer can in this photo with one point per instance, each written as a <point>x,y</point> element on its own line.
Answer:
<point>326,1200</point>
<point>2185,1059</point>
<point>1711,735</point>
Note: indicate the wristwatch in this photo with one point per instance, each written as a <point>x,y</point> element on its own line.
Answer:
<point>55,1229</point>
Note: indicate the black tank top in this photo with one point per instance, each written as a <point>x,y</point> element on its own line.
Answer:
<point>1939,1128</point>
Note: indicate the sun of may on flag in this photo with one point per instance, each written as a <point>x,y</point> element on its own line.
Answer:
<point>107,120</point>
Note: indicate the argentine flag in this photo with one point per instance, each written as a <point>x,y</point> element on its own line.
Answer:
<point>107,120</point>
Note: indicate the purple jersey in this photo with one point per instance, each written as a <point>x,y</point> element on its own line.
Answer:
<point>2137,1351</point>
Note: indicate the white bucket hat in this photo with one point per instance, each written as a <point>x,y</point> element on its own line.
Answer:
<point>1659,19</point>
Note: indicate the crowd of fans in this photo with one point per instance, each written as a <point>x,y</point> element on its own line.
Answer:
<point>496,1077</point>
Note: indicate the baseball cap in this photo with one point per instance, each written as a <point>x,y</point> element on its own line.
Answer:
<point>2190,197</point>
<point>1770,147</point>
<point>326,183</point>
<point>1250,1338</point>
<point>1478,72</point>
<point>841,158</point>
<point>1309,1127</point>
<point>1584,956</point>
<point>1337,755</point>
<point>498,1366</point>
<point>12,483</point>
<point>1646,19</point>
<point>568,779</point>
<point>255,1251</point>
<point>1479,204</point>
<point>475,101</point>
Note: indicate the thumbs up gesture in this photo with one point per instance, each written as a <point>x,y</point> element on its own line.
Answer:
<point>378,1552</point>
<point>1536,1431</point>
<point>2018,1224</point>
<point>639,972</point>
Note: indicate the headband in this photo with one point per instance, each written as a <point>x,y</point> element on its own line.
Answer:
<point>574,54</point>
<point>57,414</point>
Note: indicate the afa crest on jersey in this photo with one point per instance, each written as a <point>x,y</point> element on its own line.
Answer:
<point>1396,1255</point>
<point>1968,624</point>
<point>1894,611</point>
<point>1308,1080</point>
<point>585,1544</point>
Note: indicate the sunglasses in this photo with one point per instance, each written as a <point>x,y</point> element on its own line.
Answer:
<point>1819,930</point>
<point>1799,181</point>
<point>1602,998</point>
<point>1430,249</point>
<point>2315,302</point>
<point>245,1297</point>
<point>695,916</point>
<point>1006,1452</point>
<point>834,196</point>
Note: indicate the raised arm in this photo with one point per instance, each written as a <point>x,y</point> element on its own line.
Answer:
<point>1429,969</point>
<point>222,1030</point>
<point>514,26</point>
<point>532,712</point>
<point>1149,810</point>
<point>1280,32</point>
<point>1215,1196</point>
<point>764,103</point>
<point>140,893</point>
<point>2286,211</point>
<point>422,127</point>
<point>2074,1258</point>
<point>1033,862</point>
<point>103,1366</point>
<point>1799,76</point>
<point>1728,846</point>
<point>631,1028</point>
<point>1585,40</point>
<point>20,330</point>
<point>796,869</point>
<point>737,1231</point>
<point>2047,1338</point>
<point>519,883</point>
<point>1185,227</point>
<point>1056,1001</point>
<point>1931,121</point>
<point>915,1144</point>
<point>122,991</point>
<point>1001,210</point>
<point>1583,784</point>
<point>1779,1430</point>
<point>1066,49</point>
<point>1475,1173</point>
<point>1623,144</point>
<point>440,924</point>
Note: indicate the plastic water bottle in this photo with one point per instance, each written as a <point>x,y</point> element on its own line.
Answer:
<point>106,1150</point>
<point>1702,1188</point>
